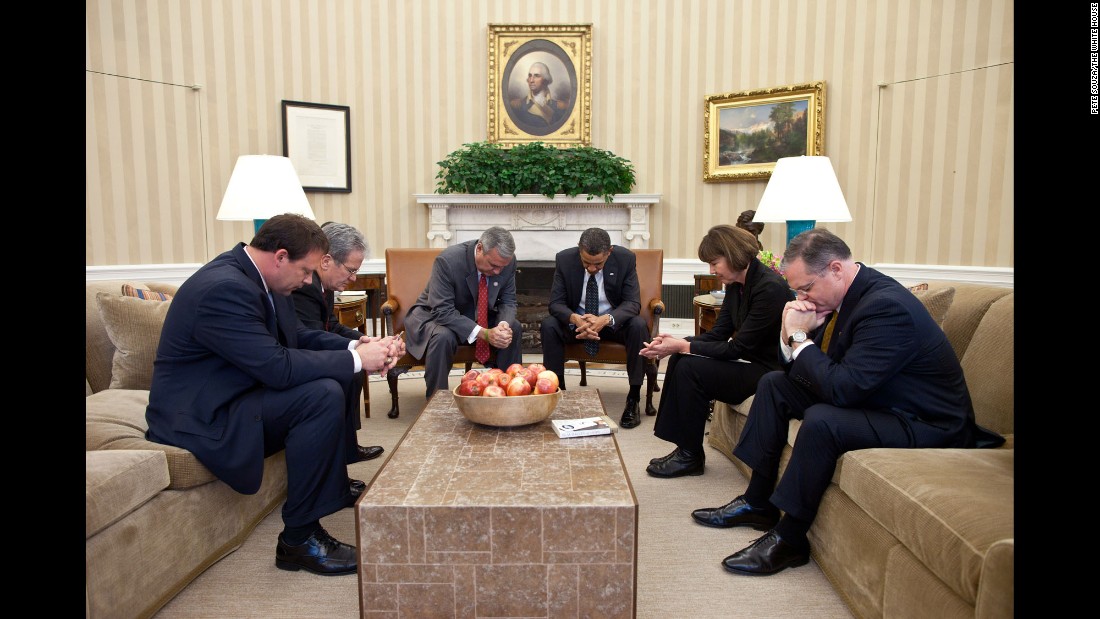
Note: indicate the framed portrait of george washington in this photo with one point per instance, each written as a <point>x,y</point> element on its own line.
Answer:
<point>540,84</point>
<point>745,133</point>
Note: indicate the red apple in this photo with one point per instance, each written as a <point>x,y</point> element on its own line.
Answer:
<point>519,386</point>
<point>536,368</point>
<point>502,379</point>
<point>493,391</point>
<point>495,371</point>
<point>545,385</point>
<point>526,375</point>
<point>550,376</point>
<point>469,387</point>
<point>512,369</point>
<point>471,375</point>
<point>485,379</point>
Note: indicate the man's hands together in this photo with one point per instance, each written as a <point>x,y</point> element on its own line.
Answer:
<point>801,315</point>
<point>589,325</point>
<point>380,354</point>
<point>499,336</point>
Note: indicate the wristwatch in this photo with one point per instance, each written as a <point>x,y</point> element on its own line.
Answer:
<point>611,317</point>
<point>797,337</point>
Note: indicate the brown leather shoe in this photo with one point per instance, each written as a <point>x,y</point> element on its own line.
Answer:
<point>321,554</point>
<point>737,513</point>
<point>766,556</point>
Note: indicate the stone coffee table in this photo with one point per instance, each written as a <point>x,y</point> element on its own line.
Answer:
<point>465,520</point>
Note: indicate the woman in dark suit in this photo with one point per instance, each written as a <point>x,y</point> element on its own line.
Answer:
<point>724,363</point>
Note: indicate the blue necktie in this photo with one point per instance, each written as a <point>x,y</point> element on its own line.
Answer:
<point>592,306</point>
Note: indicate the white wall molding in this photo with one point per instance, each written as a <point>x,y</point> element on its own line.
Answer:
<point>910,274</point>
<point>177,273</point>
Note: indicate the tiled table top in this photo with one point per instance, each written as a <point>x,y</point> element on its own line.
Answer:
<point>447,460</point>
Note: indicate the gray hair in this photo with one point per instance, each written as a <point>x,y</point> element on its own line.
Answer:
<point>545,72</point>
<point>499,239</point>
<point>343,240</point>
<point>816,247</point>
<point>595,241</point>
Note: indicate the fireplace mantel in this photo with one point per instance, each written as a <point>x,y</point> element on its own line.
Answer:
<point>541,226</point>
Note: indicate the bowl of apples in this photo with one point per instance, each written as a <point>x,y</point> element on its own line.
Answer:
<point>518,396</point>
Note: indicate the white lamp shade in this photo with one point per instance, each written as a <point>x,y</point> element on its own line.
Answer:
<point>261,187</point>
<point>802,188</point>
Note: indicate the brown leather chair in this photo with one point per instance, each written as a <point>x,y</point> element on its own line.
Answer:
<point>650,272</point>
<point>407,274</point>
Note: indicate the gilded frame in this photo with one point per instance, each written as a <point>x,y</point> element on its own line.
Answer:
<point>566,51</point>
<point>727,116</point>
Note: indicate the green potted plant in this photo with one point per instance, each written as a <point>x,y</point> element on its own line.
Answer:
<point>484,167</point>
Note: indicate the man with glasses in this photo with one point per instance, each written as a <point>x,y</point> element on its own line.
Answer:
<point>445,315</point>
<point>315,303</point>
<point>865,366</point>
<point>615,316</point>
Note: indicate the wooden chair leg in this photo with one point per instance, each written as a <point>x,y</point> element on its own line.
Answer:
<point>656,366</point>
<point>584,375</point>
<point>391,378</point>
<point>366,394</point>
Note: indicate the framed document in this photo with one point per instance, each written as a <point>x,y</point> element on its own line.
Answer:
<point>317,140</point>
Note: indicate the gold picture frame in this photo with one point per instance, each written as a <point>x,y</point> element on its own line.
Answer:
<point>745,133</point>
<point>565,53</point>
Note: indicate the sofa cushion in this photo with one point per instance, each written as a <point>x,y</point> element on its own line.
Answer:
<point>946,506</point>
<point>115,419</point>
<point>117,482</point>
<point>937,301</point>
<point>133,326</point>
<point>989,367</point>
<point>98,350</point>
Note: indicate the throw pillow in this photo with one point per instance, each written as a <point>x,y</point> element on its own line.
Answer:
<point>937,301</point>
<point>129,290</point>
<point>918,287</point>
<point>133,326</point>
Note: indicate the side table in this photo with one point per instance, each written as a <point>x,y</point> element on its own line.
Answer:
<point>352,313</point>
<point>375,285</point>
<point>706,312</point>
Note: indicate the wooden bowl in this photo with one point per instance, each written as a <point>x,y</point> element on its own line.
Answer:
<point>517,410</point>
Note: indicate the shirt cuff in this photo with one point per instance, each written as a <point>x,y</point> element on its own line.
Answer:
<point>356,359</point>
<point>473,335</point>
<point>794,353</point>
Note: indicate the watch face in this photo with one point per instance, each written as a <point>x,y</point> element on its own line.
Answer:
<point>799,336</point>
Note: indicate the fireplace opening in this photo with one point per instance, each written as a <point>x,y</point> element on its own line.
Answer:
<point>533,281</point>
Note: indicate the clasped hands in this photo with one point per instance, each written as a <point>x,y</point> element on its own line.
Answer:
<point>588,326</point>
<point>499,336</point>
<point>664,345</point>
<point>801,315</point>
<point>380,354</point>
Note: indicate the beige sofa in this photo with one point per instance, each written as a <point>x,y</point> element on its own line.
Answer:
<point>155,517</point>
<point>924,532</point>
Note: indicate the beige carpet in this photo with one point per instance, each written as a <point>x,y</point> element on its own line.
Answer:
<point>679,562</point>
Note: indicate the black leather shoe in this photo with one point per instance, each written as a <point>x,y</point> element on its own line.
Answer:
<point>369,453</point>
<point>631,418</point>
<point>664,457</point>
<point>356,488</point>
<point>737,513</point>
<point>321,554</point>
<point>766,556</point>
<point>681,462</point>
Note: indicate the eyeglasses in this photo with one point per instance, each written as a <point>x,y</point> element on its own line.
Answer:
<point>351,272</point>
<point>804,289</point>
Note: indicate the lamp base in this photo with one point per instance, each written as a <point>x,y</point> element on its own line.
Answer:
<point>260,222</point>
<point>794,227</point>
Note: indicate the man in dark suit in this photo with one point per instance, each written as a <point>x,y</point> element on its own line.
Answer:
<point>315,302</point>
<point>238,378</point>
<point>445,315</point>
<point>865,366</point>
<point>616,318</point>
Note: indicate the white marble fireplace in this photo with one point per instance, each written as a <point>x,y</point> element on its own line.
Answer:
<point>541,226</point>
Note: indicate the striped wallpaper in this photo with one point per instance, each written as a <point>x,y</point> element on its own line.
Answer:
<point>918,111</point>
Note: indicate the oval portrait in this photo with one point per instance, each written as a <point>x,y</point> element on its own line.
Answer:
<point>540,83</point>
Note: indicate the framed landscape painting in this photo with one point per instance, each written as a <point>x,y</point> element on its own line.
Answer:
<point>540,84</point>
<point>745,133</point>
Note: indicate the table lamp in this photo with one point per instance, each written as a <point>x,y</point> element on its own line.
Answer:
<point>801,192</point>
<point>261,187</point>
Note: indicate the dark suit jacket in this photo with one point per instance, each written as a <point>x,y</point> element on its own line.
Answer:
<point>620,284</point>
<point>315,309</point>
<point>888,354</point>
<point>219,343</point>
<point>450,298</point>
<point>751,314</point>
